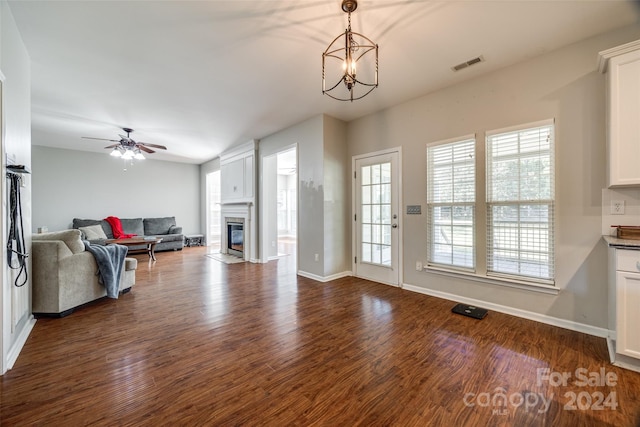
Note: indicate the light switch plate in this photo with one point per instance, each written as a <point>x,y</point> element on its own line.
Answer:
<point>414,209</point>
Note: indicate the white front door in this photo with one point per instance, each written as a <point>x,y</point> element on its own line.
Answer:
<point>377,217</point>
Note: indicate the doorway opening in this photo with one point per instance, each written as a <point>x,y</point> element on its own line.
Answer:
<point>287,202</point>
<point>213,214</point>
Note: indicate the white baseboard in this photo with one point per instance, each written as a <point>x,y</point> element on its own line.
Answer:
<point>542,318</point>
<point>324,279</point>
<point>15,350</point>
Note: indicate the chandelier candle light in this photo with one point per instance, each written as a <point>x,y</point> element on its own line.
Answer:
<point>350,52</point>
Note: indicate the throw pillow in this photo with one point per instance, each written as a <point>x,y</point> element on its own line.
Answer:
<point>93,232</point>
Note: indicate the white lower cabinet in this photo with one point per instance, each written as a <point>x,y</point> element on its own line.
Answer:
<point>628,313</point>
<point>626,306</point>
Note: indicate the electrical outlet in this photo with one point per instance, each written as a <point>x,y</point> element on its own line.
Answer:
<point>317,257</point>
<point>617,207</point>
<point>418,266</point>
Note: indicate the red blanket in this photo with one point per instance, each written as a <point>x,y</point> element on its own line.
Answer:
<point>116,228</point>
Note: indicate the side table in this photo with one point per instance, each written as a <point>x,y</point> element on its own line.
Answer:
<point>193,240</point>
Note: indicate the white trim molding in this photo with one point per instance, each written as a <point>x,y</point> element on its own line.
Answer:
<point>537,317</point>
<point>605,55</point>
<point>324,279</point>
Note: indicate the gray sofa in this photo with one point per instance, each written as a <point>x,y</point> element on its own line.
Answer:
<point>165,228</point>
<point>64,273</point>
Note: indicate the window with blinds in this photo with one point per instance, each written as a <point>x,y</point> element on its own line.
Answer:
<point>520,202</point>
<point>451,199</point>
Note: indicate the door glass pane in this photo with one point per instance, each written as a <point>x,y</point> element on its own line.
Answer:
<point>366,233</point>
<point>366,195</point>
<point>385,171</point>
<point>376,214</point>
<point>366,175</point>
<point>385,194</point>
<point>375,193</point>
<point>366,214</point>
<point>375,174</point>
<point>366,252</point>
<point>385,217</point>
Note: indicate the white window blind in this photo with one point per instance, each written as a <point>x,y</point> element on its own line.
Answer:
<point>451,199</point>
<point>520,202</point>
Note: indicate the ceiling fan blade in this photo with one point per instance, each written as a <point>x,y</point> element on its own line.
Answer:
<point>112,146</point>
<point>161,147</point>
<point>100,139</point>
<point>143,148</point>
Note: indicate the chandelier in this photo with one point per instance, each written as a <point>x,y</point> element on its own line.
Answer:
<point>346,54</point>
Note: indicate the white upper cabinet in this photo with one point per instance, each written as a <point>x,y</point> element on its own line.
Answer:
<point>622,65</point>
<point>238,174</point>
<point>233,174</point>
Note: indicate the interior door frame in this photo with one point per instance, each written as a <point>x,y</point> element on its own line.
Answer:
<point>5,289</point>
<point>354,211</point>
<point>268,201</point>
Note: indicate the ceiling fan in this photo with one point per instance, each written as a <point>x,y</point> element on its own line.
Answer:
<point>127,147</point>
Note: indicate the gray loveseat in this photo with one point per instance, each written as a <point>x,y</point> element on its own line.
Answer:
<point>165,228</point>
<point>64,273</point>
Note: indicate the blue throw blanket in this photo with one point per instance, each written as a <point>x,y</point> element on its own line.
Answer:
<point>110,260</point>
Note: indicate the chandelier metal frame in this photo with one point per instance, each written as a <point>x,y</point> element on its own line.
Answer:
<point>349,53</point>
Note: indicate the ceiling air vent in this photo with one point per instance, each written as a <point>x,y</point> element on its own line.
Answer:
<point>468,63</point>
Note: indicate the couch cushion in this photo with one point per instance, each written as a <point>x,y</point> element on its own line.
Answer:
<point>93,232</point>
<point>132,226</point>
<point>77,223</point>
<point>155,226</point>
<point>72,238</point>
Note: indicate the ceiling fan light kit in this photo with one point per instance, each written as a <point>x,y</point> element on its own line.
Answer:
<point>128,149</point>
<point>347,53</point>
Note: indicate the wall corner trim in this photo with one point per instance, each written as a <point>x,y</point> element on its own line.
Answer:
<point>21,340</point>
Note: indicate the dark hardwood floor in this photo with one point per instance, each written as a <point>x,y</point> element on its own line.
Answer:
<point>199,342</point>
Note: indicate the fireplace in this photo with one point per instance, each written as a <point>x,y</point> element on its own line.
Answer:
<point>238,230</point>
<point>235,238</point>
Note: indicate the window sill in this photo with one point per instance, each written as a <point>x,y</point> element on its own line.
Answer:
<point>494,280</point>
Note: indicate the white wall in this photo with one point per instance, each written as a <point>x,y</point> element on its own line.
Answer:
<point>269,207</point>
<point>322,193</point>
<point>71,184</point>
<point>15,318</point>
<point>337,205</point>
<point>564,85</point>
<point>307,136</point>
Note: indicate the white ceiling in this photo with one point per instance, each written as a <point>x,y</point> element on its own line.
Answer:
<point>201,76</point>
